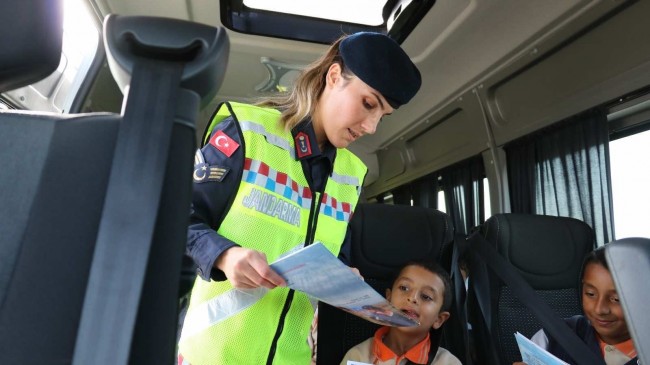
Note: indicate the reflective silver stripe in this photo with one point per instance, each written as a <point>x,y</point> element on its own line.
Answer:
<point>223,306</point>
<point>219,308</point>
<point>270,137</point>
<point>198,157</point>
<point>345,179</point>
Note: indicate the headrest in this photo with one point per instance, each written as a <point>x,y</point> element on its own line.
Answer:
<point>385,237</point>
<point>547,250</point>
<point>202,49</point>
<point>382,64</point>
<point>33,31</point>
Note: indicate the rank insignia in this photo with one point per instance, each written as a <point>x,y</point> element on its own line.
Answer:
<point>303,147</point>
<point>204,172</point>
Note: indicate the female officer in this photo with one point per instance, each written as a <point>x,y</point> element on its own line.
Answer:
<point>271,178</point>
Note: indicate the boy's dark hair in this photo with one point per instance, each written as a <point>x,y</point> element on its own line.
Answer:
<point>597,257</point>
<point>434,268</point>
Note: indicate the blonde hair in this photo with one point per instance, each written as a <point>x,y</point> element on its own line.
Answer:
<point>302,100</point>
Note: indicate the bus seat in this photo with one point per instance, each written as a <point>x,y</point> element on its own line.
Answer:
<point>629,263</point>
<point>384,237</point>
<point>548,252</point>
<point>55,181</point>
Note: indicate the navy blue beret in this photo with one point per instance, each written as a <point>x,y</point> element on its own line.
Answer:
<point>382,64</point>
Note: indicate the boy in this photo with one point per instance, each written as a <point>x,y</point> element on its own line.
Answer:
<point>422,291</point>
<point>603,326</point>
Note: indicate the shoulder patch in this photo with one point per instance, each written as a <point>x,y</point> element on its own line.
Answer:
<point>204,172</point>
<point>224,143</point>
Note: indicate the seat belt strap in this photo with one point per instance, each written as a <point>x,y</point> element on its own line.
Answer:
<point>478,283</point>
<point>129,216</point>
<point>554,326</point>
<point>460,298</point>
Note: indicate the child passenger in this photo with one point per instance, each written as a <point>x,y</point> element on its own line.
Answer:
<point>422,291</point>
<point>603,326</point>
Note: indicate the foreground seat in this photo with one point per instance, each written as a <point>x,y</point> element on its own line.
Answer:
<point>629,263</point>
<point>87,275</point>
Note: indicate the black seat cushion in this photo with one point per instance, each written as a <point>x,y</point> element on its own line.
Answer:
<point>548,252</point>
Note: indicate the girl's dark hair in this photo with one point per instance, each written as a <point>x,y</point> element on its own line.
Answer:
<point>434,268</point>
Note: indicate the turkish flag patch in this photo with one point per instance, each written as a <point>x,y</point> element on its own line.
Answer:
<point>223,143</point>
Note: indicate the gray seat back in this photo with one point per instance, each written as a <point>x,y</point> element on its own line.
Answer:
<point>54,184</point>
<point>629,263</point>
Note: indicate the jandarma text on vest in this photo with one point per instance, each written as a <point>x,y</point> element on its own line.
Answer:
<point>272,206</point>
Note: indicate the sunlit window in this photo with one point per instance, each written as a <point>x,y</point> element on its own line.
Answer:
<point>630,159</point>
<point>442,206</point>
<point>487,208</point>
<point>80,35</point>
<point>368,12</point>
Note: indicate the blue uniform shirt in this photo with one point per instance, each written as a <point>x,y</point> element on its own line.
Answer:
<point>211,199</point>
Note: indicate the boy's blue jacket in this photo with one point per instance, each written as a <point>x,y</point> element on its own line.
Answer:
<point>581,326</point>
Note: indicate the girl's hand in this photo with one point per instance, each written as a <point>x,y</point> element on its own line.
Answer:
<point>247,269</point>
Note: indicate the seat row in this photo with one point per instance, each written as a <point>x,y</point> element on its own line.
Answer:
<point>546,251</point>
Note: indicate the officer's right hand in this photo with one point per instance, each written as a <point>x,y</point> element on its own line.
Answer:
<point>247,269</point>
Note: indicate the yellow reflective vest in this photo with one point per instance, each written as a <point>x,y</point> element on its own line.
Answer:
<point>274,211</point>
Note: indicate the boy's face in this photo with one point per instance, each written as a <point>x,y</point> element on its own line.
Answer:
<point>601,305</point>
<point>419,293</point>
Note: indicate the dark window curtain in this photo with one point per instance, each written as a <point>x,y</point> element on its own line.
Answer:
<point>402,195</point>
<point>463,186</point>
<point>564,171</point>
<point>425,192</point>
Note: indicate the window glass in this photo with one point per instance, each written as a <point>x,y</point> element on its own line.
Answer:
<point>630,162</point>
<point>367,12</point>
<point>487,209</point>
<point>323,21</point>
<point>442,206</point>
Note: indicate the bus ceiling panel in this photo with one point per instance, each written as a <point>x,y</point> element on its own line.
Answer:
<point>461,42</point>
<point>369,157</point>
<point>609,59</point>
<point>393,163</point>
<point>451,135</point>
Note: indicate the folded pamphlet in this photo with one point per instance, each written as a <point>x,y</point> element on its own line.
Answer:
<point>532,354</point>
<point>315,271</point>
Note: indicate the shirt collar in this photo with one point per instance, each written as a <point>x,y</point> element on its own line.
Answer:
<point>625,347</point>
<point>418,354</point>
<point>306,144</point>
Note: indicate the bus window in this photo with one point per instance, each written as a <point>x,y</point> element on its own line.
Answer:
<point>442,206</point>
<point>487,209</point>
<point>630,181</point>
